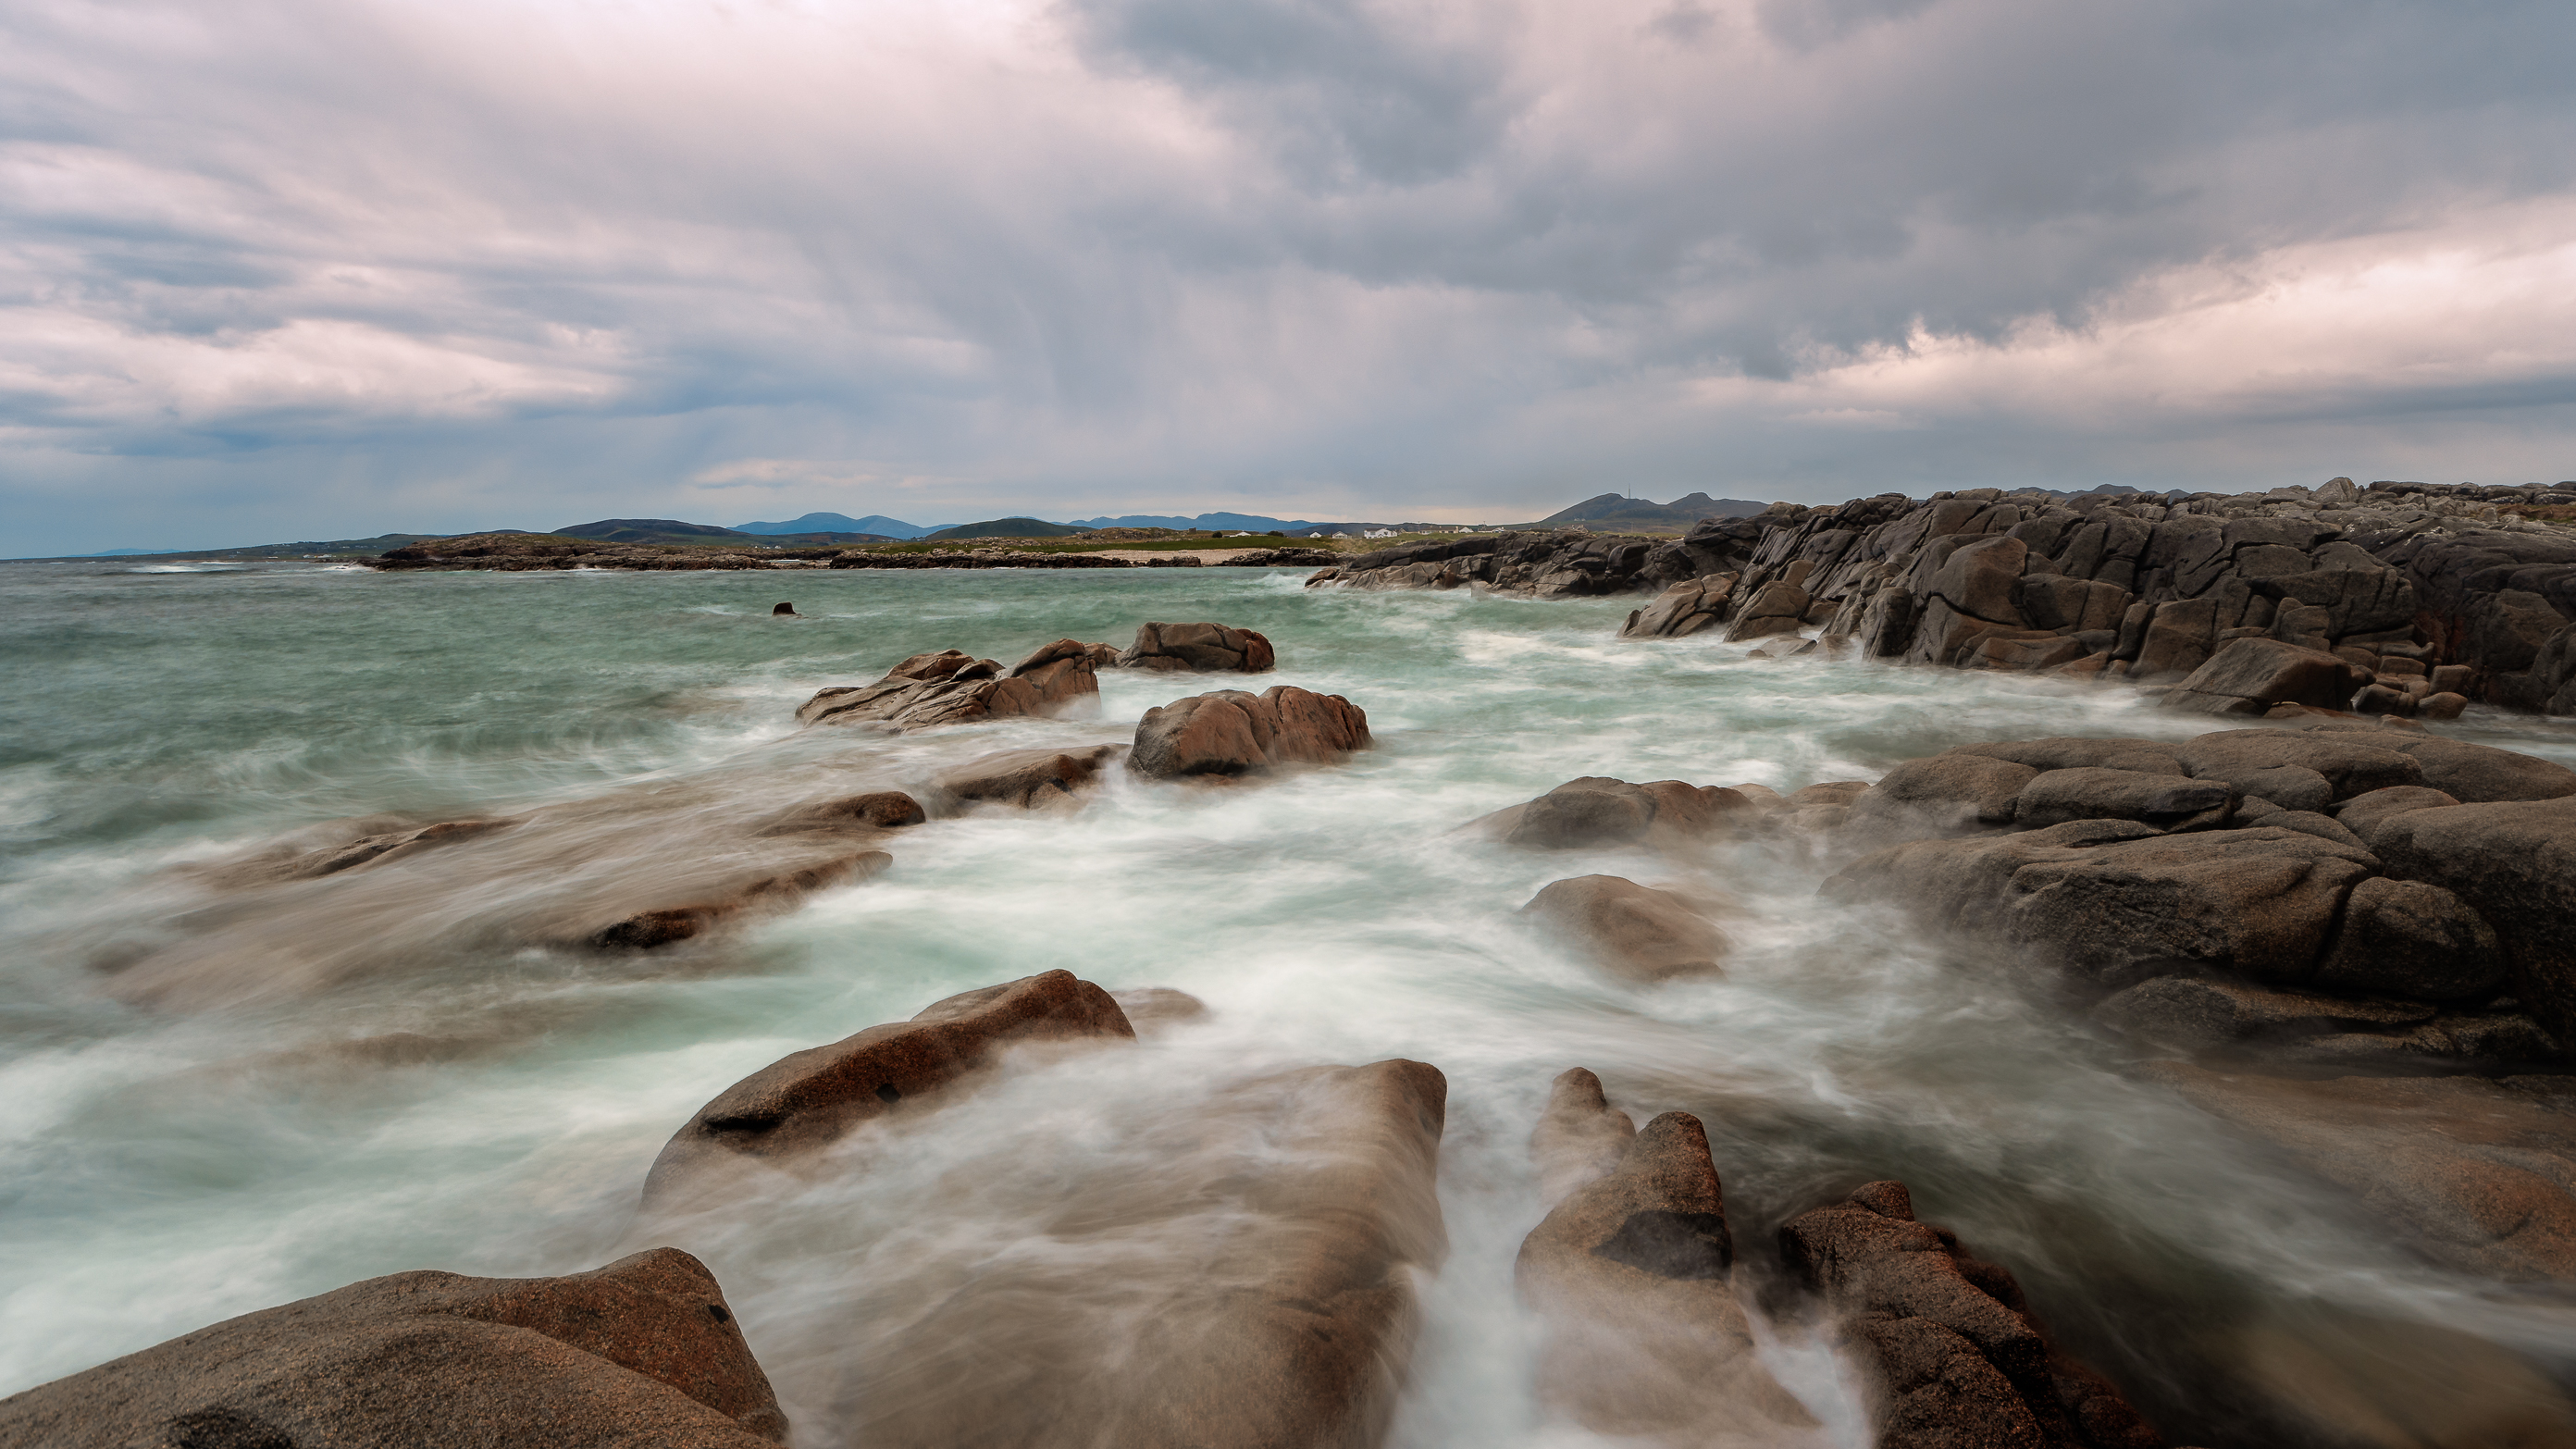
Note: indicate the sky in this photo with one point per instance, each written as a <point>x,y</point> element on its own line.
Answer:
<point>314,269</point>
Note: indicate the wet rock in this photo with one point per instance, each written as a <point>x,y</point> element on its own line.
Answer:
<point>1199,649</point>
<point>1231,733</point>
<point>2412,938</point>
<point>664,925</point>
<point>641,1354</point>
<point>2309,822</point>
<point>1947,1339</point>
<point>2352,763</point>
<point>2196,1012</point>
<point>2515,865</point>
<point>950,687</point>
<point>2154,757</point>
<point>2481,774</point>
<point>2115,902</point>
<point>873,810</point>
<point>1597,811</point>
<point>1777,607</point>
<point>2475,1173</point>
<point>2169,802</point>
<point>2363,813</point>
<point>1579,1137</point>
<point>1632,1275</point>
<point>1151,1009</point>
<point>382,848</point>
<point>1308,1203</point>
<point>2180,637</point>
<point>1828,793</point>
<point>2249,676</point>
<point>806,1100</point>
<point>1944,793</point>
<point>783,611</point>
<point>1684,609</point>
<point>1629,930</point>
<point>1029,779</point>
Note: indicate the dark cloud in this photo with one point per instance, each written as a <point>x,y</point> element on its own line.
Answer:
<point>405,265</point>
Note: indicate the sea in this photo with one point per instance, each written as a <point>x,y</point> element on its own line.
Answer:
<point>318,1086</point>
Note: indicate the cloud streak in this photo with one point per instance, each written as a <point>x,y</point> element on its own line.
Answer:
<point>300,268</point>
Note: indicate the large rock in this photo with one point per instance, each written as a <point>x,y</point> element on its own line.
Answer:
<point>1942,794</point>
<point>2249,676</point>
<point>1255,1286</point>
<point>1632,1274</point>
<point>1946,1340</point>
<point>2475,1173</point>
<point>2515,865</point>
<point>1683,609</point>
<point>806,1100</point>
<point>2117,901</point>
<point>951,687</point>
<point>2412,938</point>
<point>2351,762</point>
<point>2363,813</point>
<point>1231,733</point>
<point>1630,930</point>
<point>1778,607</point>
<point>664,925</point>
<point>2071,752</point>
<point>2172,802</point>
<point>1199,649</point>
<point>641,1354</point>
<point>1579,1137</point>
<point>2481,774</point>
<point>1597,811</point>
<point>1028,779</point>
<point>2195,1012</point>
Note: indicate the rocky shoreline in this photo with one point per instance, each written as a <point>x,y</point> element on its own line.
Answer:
<point>2353,940</point>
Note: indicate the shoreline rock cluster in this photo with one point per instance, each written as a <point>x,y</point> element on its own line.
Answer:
<point>2395,599</point>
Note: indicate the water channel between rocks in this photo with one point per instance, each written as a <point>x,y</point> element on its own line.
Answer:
<point>491,1108</point>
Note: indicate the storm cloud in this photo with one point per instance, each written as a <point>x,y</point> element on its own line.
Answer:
<point>319,268</point>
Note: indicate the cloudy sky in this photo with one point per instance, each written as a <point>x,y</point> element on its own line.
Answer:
<point>280,269</point>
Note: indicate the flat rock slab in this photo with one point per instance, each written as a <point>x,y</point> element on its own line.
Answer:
<point>641,1354</point>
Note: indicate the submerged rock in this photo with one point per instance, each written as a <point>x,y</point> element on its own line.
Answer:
<point>641,1354</point>
<point>1630,930</point>
<point>1028,779</point>
<point>1231,733</point>
<point>664,925</point>
<point>1632,1274</point>
<point>1947,1339</point>
<point>806,1100</point>
<point>1597,811</point>
<point>1579,1137</point>
<point>1199,649</point>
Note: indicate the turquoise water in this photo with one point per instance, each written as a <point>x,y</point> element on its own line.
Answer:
<point>398,1070</point>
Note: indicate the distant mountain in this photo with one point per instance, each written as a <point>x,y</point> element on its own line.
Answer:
<point>876,523</point>
<point>1615,509</point>
<point>1003,528</point>
<point>651,530</point>
<point>1244,522</point>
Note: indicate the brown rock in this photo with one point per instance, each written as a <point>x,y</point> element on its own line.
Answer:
<point>1630,930</point>
<point>1029,779</point>
<point>2196,1012</point>
<point>950,687</point>
<point>1597,811</point>
<point>2515,865</point>
<point>2180,638</point>
<point>1632,1275</point>
<point>1947,1338</point>
<point>2475,1172</point>
<point>641,1354</point>
<point>2169,802</point>
<point>2249,676</point>
<point>663,925</point>
<point>2352,762</point>
<point>383,848</point>
<point>1199,649</point>
<point>1152,1008</point>
<point>2481,774</point>
<point>1944,794</point>
<point>1579,1137</point>
<point>1231,733</point>
<point>808,1099</point>
<point>876,810</point>
<point>2411,938</point>
<point>1777,607</point>
<point>2154,757</point>
<point>2363,813</point>
<point>1683,609</point>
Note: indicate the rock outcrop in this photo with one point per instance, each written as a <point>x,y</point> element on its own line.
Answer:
<point>1198,649</point>
<point>663,925</point>
<point>1631,931</point>
<point>1027,779</point>
<point>2430,597</point>
<point>807,1100</point>
<point>951,687</point>
<point>1633,1275</point>
<point>1231,733</point>
<point>1947,1339</point>
<point>1597,811</point>
<point>641,1354</point>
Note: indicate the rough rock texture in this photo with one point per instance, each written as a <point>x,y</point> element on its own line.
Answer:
<point>2093,793</point>
<point>871,811</point>
<point>2477,1174</point>
<point>2515,865</point>
<point>1198,649</point>
<point>1945,794</point>
<point>2249,676</point>
<point>1630,930</point>
<point>1028,779</point>
<point>808,1099</point>
<point>1947,1339</point>
<point>2399,580</point>
<point>663,925</point>
<point>1632,1273</point>
<point>950,687</point>
<point>641,1354</point>
<point>1303,1209</point>
<point>1597,811</point>
<point>1231,733</point>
